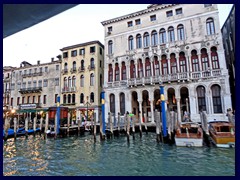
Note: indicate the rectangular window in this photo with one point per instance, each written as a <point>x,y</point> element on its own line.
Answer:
<point>18,100</point>
<point>46,69</point>
<point>23,99</point>
<point>12,86</point>
<point>130,24</point>
<point>178,11</point>
<point>30,71</point>
<point>153,18</point>
<point>45,83</point>
<point>35,70</point>
<point>34,84</point>
<point>25,72</point>
<point>82,51</point>
<point>56,95</point>
<point>207,5</point>
<point>74,53</point>
<point>100,50</point>
<point>44,99</point>
<point>110,29</point>
<point>137,21</point>
<point>40,69</point>
<point>56,81</point>
<point>169,13</point>
<point>57,67</point>
<point>33,99</point>
<point>19,85</point>
<point>11,101</point>
<point>39,83</point>
<point>65,54</point>
<point>92,49</point>
<point>29,84</point>
<point>28,99</point>
<point>24,85</point>
<point>39,98</point>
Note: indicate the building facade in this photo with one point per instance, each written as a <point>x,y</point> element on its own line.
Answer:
<point>7,78</point>
<point>82,78</point>
<point>228,33</point>
<point>178,46</point>
<point>35,86</point>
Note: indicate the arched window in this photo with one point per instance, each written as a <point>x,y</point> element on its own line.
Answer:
<point>122,103</point>
<point>74,66</point>
<point>132,70</point>
<point>73,81</point>
<point>139,41</point>
<point>130,43</point>
<point>65,67</point>
<point>112,103</point>
<point>162,35</point>
<point>82,81</point>
<point>140,68</point>
<point>124,72</point>
<point>204,58</point>
<point>64,99</point>
<point>92,97</point>
<point>81,98</point>
<point>92,79</point>
<point>69,82</point>
<point>154,38</point>
<point>92,63</point>
<point>117,76</point>
<point>110,73</point>
<point>182,62</point>
<point>110,47</point>
<point>164,65</point>
<point>201,98</point>
<point>73,98</point>
<point>171,34</point>
<point>82,64</point>
<point>146,39</point>
<point>210,26</point>
<point>65,82</point>
<point>195,62</point>
<point>216,98</point>
<point>156,66</point>
<point>173,63</point>
<point>214,56</point>
<point>148,67</point>
<point>69,98</point>
<point>180,31</point>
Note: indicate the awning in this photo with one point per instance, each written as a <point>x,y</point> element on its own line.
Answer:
<point>31,110</point>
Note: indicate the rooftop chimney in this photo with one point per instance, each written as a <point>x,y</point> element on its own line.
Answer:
<point>38,62</point>
<point>52,59</point>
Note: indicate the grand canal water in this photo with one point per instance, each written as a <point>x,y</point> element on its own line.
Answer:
<point>80,156</point>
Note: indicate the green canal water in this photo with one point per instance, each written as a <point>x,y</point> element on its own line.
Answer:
<point>80,156</point>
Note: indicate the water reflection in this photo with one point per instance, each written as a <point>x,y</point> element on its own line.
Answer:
<point>80,156</point>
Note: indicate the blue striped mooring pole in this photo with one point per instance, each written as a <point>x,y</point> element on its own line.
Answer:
<point>58,114</point>
<point>103,112</point>
<point>164,123</point>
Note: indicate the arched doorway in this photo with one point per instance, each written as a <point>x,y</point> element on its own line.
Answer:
<point>135,104</point>
<point>171,103</point>
<point>184,102</point>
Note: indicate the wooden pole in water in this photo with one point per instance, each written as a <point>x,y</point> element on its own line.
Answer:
<point>118,124</point>
<point>111,124</point>
<point>133,126</point>
<point>15,128</point>
<point>101,132</point>
<point>158,125</point>
<point>125,123</point>
<point>55,126</point>
<point>26,127</point>
<point>79,125</point>
<point>145,123</point>
<point>34,126</point>
<point>46,126</point>
<point>128,126</point>
<point>91,124</point>
<point>95,127</point>
<point>6,127</point>
<point>41,123</point>
<point>68,123</point>
<point>140,124</point>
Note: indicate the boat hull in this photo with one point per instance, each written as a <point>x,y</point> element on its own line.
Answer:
<point>189,142</point>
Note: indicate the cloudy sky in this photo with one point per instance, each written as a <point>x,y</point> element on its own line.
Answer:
<point>76,25</point>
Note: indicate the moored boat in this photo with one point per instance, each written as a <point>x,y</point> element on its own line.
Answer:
<point>189,134</point>
<point>222,133</point>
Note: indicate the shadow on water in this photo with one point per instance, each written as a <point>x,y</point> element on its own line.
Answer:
<point>81,156</point>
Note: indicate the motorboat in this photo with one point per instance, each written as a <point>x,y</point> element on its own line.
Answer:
<point>222,133</point>
<point>189,134</point>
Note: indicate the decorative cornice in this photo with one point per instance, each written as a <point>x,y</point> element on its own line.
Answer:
<point>151,8</point>
<point>81,45</point>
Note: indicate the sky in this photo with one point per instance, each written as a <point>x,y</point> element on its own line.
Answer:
<point>79,24</point>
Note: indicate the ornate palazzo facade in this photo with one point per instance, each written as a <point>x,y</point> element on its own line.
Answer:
<point>178,46</point>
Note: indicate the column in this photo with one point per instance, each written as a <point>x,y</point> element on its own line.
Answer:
<point>200,62</point>
<point>140,109</point>
<point>189,66</point>
<point>120,71</point>
<point>143,63</point>
<point>179,117</point>
<point>117,105</point>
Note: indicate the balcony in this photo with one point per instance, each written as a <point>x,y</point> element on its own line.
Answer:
<point>168,78</point>
<point>81,69</point>
<point>68,89</point>
<point>73,70</point>
<point>64,71</point>
<point>91,67</point>
<point>30,90</point>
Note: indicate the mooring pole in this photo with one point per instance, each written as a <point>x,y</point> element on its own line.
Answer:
<point>15,128</point>
<point>46,126</point>
<point>58,115</point>
<point>164,124</point>
<point>26,127</point>
<point>103,115</point>
<point>95,127</point>
<point>34,125</point>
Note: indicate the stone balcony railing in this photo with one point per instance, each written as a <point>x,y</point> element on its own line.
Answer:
<point>185,76</point>
<point>68,89</point>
